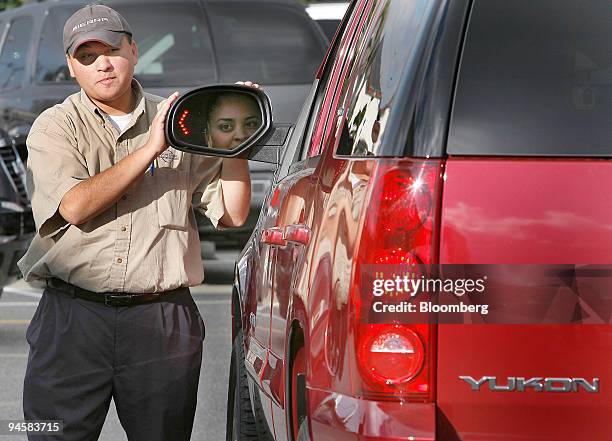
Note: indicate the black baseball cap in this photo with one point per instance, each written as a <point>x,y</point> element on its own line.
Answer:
<point>94,23</point>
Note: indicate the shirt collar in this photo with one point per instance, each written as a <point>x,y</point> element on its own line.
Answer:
<point>140,98</point>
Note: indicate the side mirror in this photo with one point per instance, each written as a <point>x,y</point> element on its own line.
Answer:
<point>231,121</point>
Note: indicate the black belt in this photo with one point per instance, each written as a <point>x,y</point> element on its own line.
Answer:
<point>108,298</point>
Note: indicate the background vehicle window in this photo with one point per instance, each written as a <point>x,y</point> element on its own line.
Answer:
<point>535,79</point>
<point>51,62</point>
<point>271,45</point>
<point>174,46</point>
<point>328,16</point>
<point>394,31</point>
<point>13,58</point>
<point>173,41</point>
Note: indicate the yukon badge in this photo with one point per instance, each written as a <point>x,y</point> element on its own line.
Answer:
<point>538,384</point>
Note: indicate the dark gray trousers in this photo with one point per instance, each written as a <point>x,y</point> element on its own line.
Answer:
<point>146,357</point>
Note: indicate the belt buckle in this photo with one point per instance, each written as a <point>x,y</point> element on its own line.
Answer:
<point>118,299</point>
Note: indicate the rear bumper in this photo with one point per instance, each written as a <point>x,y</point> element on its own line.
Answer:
<point>337,417</point>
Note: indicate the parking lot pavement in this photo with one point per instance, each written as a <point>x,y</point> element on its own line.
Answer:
<point>17,306</point>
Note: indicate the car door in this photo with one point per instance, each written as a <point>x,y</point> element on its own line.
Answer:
<point>283,220</point>
<point>294,202</point>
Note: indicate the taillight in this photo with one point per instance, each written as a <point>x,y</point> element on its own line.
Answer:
<point>390,354</point>
<point>396,360</point>
<point>398,226</point>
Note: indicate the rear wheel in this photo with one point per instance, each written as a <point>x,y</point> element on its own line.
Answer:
<point>241,425</point>
<point>298,397</point>
<point>303,434</point>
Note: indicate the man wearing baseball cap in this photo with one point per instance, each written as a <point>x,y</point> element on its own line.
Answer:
<point>117,247</point>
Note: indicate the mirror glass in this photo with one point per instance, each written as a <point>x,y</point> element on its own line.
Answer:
<point>218,119</point>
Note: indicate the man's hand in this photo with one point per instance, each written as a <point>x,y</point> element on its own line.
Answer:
<point>157,136</point>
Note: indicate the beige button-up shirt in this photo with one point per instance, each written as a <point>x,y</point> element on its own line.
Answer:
<point>148,241</point>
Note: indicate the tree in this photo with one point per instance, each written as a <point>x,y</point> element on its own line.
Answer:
<point>8,4</point>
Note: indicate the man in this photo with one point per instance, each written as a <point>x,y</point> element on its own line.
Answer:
<point>117,247</point>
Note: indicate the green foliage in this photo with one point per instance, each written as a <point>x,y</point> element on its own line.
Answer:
<point>8,4</point>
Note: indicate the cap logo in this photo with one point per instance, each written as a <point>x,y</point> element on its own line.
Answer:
<point>88,22</point>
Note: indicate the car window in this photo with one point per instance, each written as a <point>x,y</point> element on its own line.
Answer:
<point>319,100</point>
<point>174,47</point>
<point>384,53</point>
<point>331,81</point>
<point>13,59</point>
<point>265,42</point>
<point>535,79</point>
<point>51,62</point>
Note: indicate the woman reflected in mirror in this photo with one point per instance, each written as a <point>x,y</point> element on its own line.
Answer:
<point>232,118</point>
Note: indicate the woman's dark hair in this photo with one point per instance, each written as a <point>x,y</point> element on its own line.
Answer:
<point>215,101</point>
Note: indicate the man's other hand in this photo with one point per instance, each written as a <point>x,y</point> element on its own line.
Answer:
<point>157,136</point>
<point>250,84</point>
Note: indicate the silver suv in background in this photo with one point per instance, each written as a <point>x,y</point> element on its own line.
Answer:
<point>182,44</point>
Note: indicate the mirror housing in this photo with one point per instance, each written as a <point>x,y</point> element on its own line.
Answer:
<point>189,124</point>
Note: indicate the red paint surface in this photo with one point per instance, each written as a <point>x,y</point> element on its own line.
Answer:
<point>532,212</point>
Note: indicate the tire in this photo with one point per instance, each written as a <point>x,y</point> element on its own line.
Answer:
<point>304,434</point>
<point>241,422</point>
<point>299,421</point>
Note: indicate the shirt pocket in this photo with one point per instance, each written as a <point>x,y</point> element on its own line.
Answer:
<point>173,203</point>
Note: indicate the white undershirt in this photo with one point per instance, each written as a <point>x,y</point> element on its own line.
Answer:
<point>120,121</point>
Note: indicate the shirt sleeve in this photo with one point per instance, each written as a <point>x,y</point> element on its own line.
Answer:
<point>208,194</point>
<point>54,166</point>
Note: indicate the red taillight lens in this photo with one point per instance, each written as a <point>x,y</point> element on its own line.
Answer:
<point>399,222</point>
<point>396,360</point>
<point>405,202</point>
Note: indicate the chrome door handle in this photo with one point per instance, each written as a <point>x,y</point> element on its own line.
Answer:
<point>297,233</point>
<point>273,236</point>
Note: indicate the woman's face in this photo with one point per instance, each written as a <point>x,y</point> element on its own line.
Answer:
<point>232,122</point>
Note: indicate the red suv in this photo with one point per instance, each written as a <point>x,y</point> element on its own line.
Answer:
<point>470,133</point>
